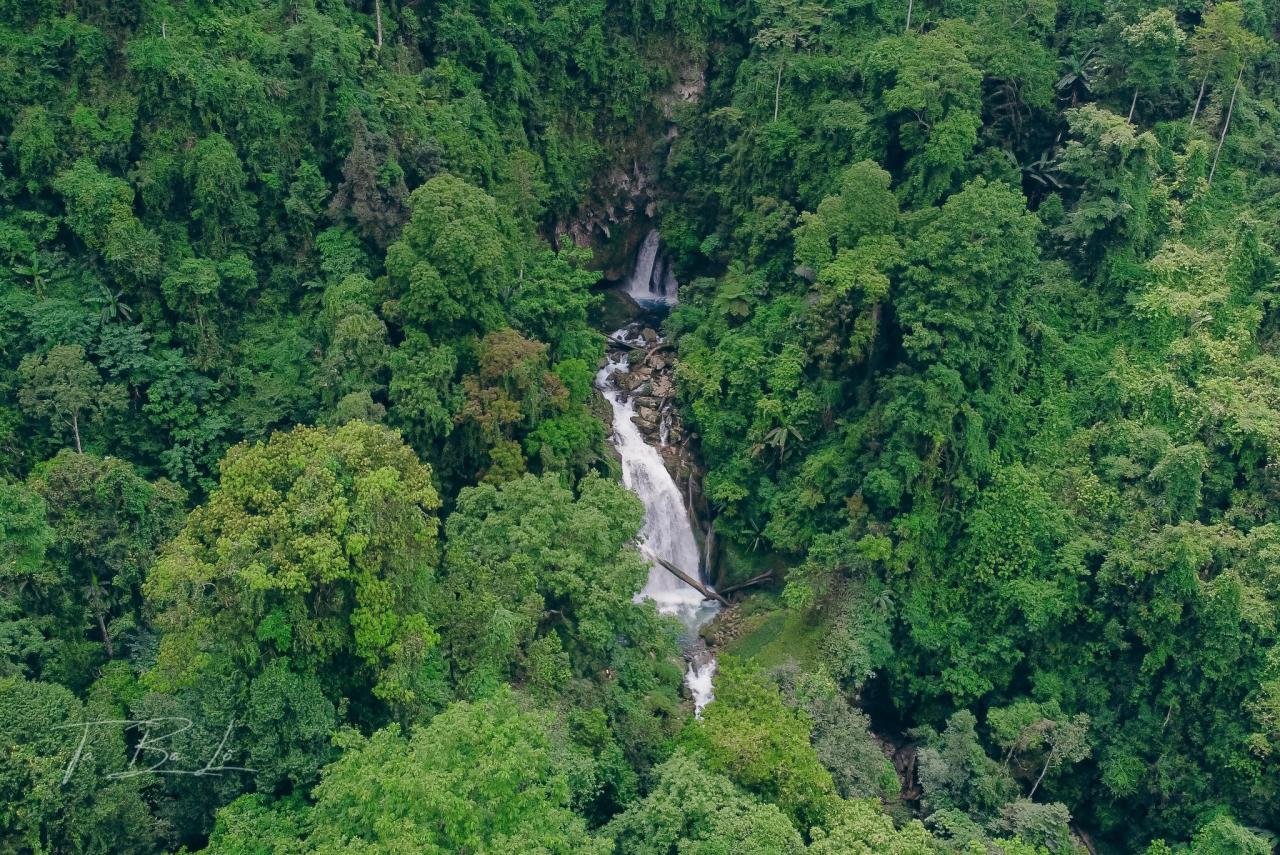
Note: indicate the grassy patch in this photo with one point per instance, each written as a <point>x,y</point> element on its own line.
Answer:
<point>771,635</point>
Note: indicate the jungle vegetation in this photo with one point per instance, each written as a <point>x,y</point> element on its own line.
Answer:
<point>979,335</point>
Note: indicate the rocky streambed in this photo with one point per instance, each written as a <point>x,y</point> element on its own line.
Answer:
<point>637,380</point>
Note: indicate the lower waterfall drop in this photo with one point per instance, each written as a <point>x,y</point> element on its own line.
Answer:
<point>666,533</point>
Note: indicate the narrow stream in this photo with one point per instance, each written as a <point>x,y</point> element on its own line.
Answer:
<point>667,532</point>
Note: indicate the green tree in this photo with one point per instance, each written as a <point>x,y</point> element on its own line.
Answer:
<point>931,92</point>
<point>692,810</point>
<point>63,386</point>
<point>55,791</point>
<point>511,393</point>
<point>552,299</point>
<point>858,827</point>
<point>1110,163</point>
<point>424,395</point>
<point>1220,46</point>
<point>452,261</point>
<point>784,27</point>
<point>841,736</point>
<point>220,201</point>
<point>848,245</point>
<point>256,825</point>
<point>1152,54</point>
<point>530,558</point>
<point>1039,825</point>
<point>100,212</point>
<point>963,293</point>
<point>1222,835</point>
<point>748,734</point>
<point>1040,736</point>
<point>956,773</point>
<point>109,524</point>
<point>25,577</point>
<point>484,777</point>
<point>327,537</point>
<point>357,353</point>
<point>288,723</point>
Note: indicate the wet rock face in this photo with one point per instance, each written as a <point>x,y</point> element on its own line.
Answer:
<point>615,217</point>
<point>622,203</point>
<point>650,386</point>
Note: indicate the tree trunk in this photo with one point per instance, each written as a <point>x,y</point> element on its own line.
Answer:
<point>1199,98</point>
<point>75,429</point>
<point>1225,125</point>
<point>377,14</point>
<point>656,349</point>
<point>754,580</point>
<point>911,4</point>
<point>777,89</point>
<point>95,600</point>
<point>1133,105</point>
<point>1043,772</point>
<point>689,580</point>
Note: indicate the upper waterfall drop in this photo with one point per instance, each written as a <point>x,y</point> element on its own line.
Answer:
<point>651,279</point>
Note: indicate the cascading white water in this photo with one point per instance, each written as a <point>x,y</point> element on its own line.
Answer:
<point>651,279</point>
<point>666,531</point>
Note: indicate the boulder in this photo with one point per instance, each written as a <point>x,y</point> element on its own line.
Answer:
<point>631,380</point>
<point>646,419</point>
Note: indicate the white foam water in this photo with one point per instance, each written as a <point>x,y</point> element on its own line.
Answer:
<point>666,533</point>
<point>652,280</point>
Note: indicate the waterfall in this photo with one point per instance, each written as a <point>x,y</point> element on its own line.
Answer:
<point>666,533</point>
<point>651,279</point>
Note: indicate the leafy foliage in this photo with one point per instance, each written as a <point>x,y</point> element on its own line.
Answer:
<point>977,341</point>
<point>317,548</point>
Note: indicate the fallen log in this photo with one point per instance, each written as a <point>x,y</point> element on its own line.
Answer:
<point>688,580</point>
<point>657,348</point>
<point>619,343</point>
<point>649,349</point>
<point>763,577</point>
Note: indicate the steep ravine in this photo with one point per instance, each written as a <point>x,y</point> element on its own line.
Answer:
<point>641,435</point>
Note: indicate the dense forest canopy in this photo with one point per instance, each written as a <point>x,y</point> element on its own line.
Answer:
<point>978,346</point>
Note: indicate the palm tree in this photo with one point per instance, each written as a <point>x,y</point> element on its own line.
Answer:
<point>112,305</point>
<point>36,273</point>
<point>778,439</point>
<point>1080,70</point>
<point>756,530</point>
<point>1044,170</point>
